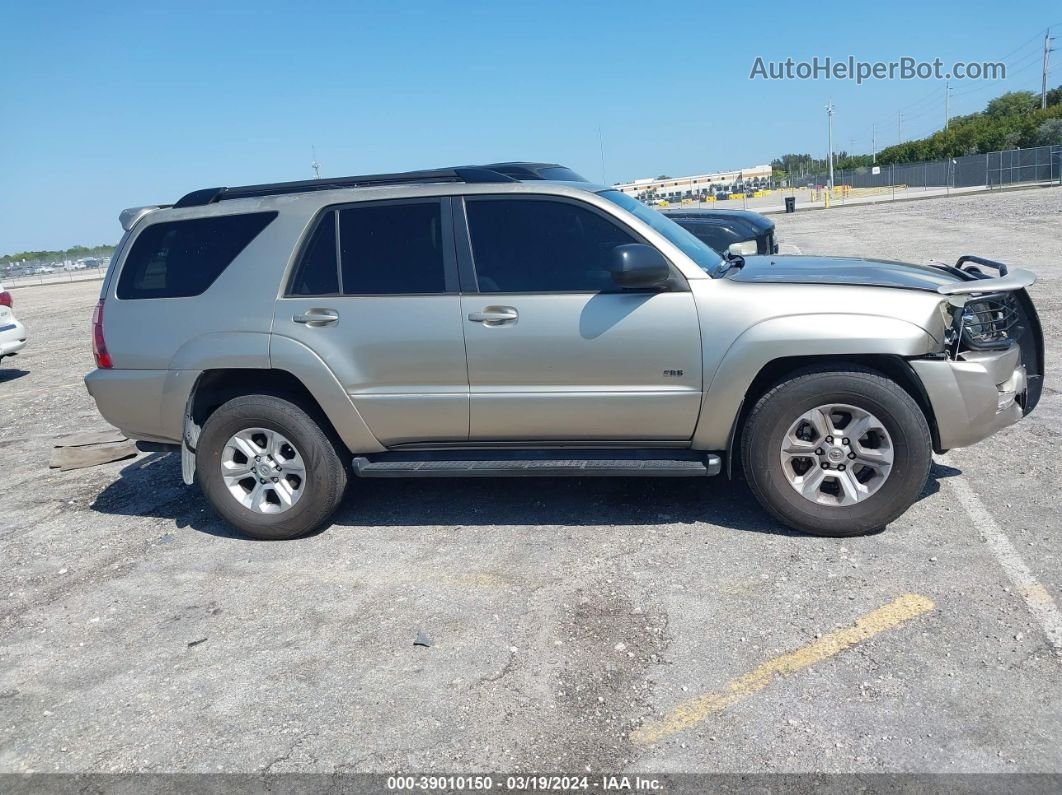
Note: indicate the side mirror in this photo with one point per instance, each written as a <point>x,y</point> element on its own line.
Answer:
<point>636,265</point>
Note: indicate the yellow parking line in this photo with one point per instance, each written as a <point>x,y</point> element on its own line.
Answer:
<point>694,711</point>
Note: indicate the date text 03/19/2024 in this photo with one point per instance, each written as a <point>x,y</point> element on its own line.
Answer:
<point>523,783</point>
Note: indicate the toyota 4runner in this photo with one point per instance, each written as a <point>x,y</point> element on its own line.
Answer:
<point>487,321</point>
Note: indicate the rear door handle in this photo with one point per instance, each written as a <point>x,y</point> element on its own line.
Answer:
<point>495,315</point>
<point>317,317</point>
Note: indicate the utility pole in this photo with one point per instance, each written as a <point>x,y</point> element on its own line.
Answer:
<point>829,122</point>
<point>947,96</point>
<point>873,143</point>
<point>601,146</point>
<point>1047,62</point>
<point>899,121</point>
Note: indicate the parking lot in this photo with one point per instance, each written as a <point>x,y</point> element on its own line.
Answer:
<point>575,625</point>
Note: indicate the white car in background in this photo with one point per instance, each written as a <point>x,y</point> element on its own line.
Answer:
<point>12,333</point>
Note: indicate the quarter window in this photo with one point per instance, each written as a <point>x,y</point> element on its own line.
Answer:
<point>318,271</point>
<point>533,245</point>
<point>179,259</point>
<point>392,249</point>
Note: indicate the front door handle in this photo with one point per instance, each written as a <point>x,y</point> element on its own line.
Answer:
<point>317,317</point>
<point>495,315</point>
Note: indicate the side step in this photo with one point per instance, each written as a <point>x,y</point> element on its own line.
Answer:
<point>539,463</point>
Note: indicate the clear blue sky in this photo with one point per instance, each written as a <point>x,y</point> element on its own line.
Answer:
<point>108,105</point>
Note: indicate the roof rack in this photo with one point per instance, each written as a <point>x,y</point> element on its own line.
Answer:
<point>466,174</point>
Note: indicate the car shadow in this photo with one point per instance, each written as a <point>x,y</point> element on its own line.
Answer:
<point>11,374</point>
<point>152,486</point>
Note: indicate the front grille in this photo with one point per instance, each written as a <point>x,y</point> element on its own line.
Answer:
<point>991,321</point>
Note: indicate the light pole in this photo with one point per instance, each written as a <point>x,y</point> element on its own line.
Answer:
<point>829,124</point>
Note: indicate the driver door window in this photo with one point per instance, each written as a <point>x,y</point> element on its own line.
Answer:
<point>541,246</point>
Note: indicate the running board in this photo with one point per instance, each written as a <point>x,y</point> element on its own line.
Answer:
<point>538,463</point>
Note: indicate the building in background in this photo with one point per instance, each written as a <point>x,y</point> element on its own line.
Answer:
<point>699,186</point>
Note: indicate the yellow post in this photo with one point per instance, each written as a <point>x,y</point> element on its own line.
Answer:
<point>826,197</point>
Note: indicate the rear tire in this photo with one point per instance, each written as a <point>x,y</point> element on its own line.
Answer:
<point>785,483</point>
<point>268,468</point>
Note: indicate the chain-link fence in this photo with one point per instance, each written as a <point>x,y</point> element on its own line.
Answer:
<point>48,275</point>
<point>1039,165</point>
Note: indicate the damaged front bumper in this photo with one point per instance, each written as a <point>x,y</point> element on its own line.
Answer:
<point>975,395</point>
<point>992,372</point>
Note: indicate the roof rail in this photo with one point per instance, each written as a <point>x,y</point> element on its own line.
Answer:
<point>466,174</point>
<point>527,170</point>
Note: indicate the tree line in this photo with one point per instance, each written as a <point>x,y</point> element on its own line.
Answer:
<point>1010,121</point>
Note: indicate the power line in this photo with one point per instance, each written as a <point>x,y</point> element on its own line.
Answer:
<point>1021,46</point>
<point>930,103</point>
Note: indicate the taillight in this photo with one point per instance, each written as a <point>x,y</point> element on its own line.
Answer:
<point>99,346</point>
<point>6,299</point>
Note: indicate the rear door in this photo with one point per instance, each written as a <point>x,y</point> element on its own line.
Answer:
<point>556,352</point>
<point>375,295</point>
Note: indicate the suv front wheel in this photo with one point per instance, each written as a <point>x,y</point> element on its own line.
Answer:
<point>268,468</point>
<point>837,453</point>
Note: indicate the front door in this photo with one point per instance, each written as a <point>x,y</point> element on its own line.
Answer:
<point>375,297</point>
<point>556,352</point>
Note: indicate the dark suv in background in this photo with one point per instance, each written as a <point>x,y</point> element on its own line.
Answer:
<point>735,231</point>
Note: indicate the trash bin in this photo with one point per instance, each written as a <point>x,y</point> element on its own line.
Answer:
<point>790,204</point>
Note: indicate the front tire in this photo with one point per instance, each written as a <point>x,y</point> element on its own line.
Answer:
<point>268,468</point>
<point>836,453</point>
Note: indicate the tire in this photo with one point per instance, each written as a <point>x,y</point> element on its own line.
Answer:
<point>852,391</point>
<point>261,418</point>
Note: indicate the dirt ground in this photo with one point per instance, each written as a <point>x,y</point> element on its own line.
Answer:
<point>576,625</point>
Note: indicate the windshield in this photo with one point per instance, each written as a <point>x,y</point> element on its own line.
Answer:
<point>701,253</point>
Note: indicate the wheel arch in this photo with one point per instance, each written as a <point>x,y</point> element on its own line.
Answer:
<point>336,413</point>
<point>894,367</point>
<point>213,388</point>
<point>806,338</point>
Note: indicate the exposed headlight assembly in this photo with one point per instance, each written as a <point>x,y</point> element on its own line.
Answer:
<point>990,322</point>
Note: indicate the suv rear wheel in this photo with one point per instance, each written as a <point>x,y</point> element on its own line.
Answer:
<point>836,453</point>
<point>268,468</point>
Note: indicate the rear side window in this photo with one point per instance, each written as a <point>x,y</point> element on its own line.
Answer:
<point>392,249</point>
<point>318,271</point>
<point>535,245</point>
<point>178,259</point>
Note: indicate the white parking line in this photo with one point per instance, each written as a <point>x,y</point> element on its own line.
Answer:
<point>1039,601</point>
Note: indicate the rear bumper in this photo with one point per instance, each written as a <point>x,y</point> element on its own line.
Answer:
<point>975,396</point>
<point>132,401</point>
<point>12,337</point>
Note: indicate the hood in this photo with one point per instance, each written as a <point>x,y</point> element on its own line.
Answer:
<point>755,220</point>
<point>844,270</point>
